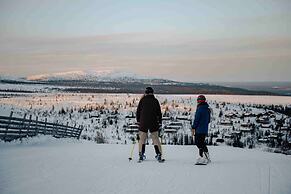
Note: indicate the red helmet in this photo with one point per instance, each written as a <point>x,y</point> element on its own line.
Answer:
<point>201,98</point>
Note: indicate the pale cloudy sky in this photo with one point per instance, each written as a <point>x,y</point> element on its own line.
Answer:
<point>187,40</point>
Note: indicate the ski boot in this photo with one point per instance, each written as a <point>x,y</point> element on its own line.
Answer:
<point>159,158</point>
<point>207,157</point>
<point>142,157</point>
<point>158,154</point>
<point>201,161</point>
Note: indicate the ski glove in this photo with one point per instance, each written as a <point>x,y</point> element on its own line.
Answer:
<point>137,137</point>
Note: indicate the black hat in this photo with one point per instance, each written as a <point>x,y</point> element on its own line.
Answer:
<point>149,90</point>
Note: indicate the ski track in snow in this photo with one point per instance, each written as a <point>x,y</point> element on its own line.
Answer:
<point>70,166</point>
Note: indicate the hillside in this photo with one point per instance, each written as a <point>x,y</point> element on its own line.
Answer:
<point>113,82</point>
<point>243,121</point>
<point>47,165</point>
<point>283,88</point>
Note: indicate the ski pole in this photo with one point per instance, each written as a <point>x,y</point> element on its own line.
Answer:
<point>131,153</point>
<point>193,136</point>
<point>132,149</point>
<point>163,155</point>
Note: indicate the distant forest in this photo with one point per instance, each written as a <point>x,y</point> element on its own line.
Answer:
<point>160,87</point>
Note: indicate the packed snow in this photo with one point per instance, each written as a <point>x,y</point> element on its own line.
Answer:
<point>47,165</point>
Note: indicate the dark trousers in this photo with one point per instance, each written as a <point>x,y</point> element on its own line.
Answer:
<point>200,143</point>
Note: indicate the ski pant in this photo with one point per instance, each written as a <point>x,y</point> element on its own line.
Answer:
<point>143,136</point>
<point>200,143</point>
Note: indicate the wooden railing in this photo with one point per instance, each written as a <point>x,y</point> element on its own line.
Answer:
<point>14,128</point>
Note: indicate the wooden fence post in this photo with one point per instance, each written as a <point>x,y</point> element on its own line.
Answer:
<point>7,127</point>
<point>36,126</point>
<point>44,131</point>
<point>80,131</point>
<point>65,135</point>
<point>28,126</point>
<point>55,129</point>
<point>22,125</point>
<point>74,129</point>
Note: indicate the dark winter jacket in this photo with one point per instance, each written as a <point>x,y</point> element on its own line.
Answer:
<point>149,114</point>
<point>202,119</point>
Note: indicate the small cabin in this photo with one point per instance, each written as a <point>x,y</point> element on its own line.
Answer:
<point>112,117</point>
<point>226,122</point>
<point>219,140</point>
<point>236,133</point>
<point>94,116</point>
<point>273,136</point>
<point>263,140</point>
<point>285,128</point>
<point>166,118</point>
<point>132,116</point>
<point>176,127</point>
<point>176,123</point>
<point>266,126</point>
<point>170,130</point>
<point>228,136</point>
<point>263,120</point>
<point>246,125</point>
<point>183,118</point>
<point>132,128</point>
<point>231,115</point>
<point>248,114</point>
<point>246,130</point>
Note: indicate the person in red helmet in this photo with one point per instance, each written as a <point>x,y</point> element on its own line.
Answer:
<point>200,128</point>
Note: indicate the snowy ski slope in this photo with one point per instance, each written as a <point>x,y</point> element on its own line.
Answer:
<point>46,165</point>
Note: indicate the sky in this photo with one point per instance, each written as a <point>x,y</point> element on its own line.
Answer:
<point>184,40</point>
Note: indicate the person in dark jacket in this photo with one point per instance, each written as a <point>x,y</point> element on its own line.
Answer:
<point>200,128</point>
<point>149,118</point>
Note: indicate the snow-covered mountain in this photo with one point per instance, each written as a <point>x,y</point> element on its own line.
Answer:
<point>92,75</point>
<point>108,81</point>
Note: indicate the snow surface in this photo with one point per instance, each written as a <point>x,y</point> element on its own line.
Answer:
<point>60,166</point>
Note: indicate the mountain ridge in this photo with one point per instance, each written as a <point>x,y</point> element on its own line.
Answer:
<point>123,82</point>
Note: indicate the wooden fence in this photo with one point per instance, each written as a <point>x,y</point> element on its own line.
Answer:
<point>14,128</point>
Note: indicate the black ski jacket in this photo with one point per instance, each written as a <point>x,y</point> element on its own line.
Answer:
<point>149,114</point>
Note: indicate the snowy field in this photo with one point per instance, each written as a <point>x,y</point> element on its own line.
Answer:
<point>104,115</point>
<point>245,99</point>
<point>46,165</point>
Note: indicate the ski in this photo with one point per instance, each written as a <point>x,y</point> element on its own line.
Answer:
<point>202,164</point>
<point>141,159</point>
<point>161,161</point>
<point>201,161</point>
